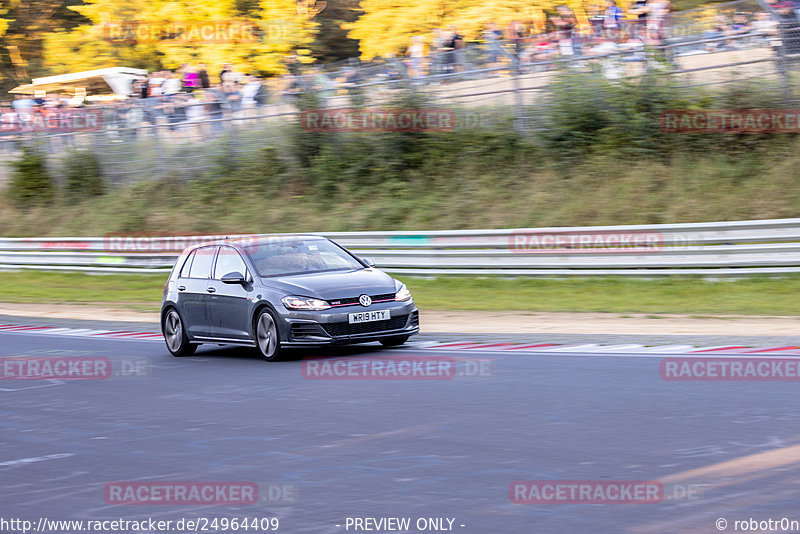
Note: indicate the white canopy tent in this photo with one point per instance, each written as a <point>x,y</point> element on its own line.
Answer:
<point>108,81</point>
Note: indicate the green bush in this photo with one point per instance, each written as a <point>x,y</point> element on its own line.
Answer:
<point>588,114</point>
<point>30,183</point>
<point>306,145</point>
<point>82,176</point>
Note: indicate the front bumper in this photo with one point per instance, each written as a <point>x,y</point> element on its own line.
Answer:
<point>332,326</point>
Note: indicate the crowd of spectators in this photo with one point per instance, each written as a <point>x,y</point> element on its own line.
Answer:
<point>562,35</point>
<point>178,98</point>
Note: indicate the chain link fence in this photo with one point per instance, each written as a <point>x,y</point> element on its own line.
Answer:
<point>160,141</point>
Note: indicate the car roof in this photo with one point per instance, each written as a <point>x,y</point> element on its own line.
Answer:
<point>242,242</point>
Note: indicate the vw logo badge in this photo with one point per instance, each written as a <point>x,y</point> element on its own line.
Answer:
<point>364,300</point>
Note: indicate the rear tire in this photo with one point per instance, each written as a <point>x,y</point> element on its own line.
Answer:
<point>394,341</point>
<point>268,342</point>
<point>175,335</point>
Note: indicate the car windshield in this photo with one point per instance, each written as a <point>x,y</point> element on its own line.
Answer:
<point>299,256</point>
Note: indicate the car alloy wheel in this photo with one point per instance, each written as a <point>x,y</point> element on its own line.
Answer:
<point>267,340</point>
<point>175,335</point>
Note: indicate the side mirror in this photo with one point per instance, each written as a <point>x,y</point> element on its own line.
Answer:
<point>368,261</point>
<point>234,278</point>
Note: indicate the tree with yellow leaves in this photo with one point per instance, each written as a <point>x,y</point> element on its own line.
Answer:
<point>386,27</point>
<point>158,34</point>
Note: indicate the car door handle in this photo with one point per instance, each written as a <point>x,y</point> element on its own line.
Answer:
<point>181,288</point>
<point>211,290</point>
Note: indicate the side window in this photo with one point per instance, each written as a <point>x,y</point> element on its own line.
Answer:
<point>186,266</point>
<point>229,261</point>
<point>201,264</point>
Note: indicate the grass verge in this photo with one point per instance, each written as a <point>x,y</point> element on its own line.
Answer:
<point>678,295</point>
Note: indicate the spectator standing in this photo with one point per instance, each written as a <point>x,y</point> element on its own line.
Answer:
<point>233,100</point>
<point>453,50</point>
<point>438,53</point>
<point>494,39</point>
<point>456,45</point>
<point>416,54</point>
<point>213,109</point>
<point>202,76</point>
<point>195,112</point>
<point>191,80</point>
<point>612,18</point>
<point>292,64</point>
<point>565,23</point>
<point>789,27</point>
<point>517,35</point>
<point>766,25</point>
<point>249,93</point>
<point>172,85</point>
<point>228,77</point>
<point>140,88</point>
<point>657,12</point>
<point>596,18</point>
<point>639,9</point>
<point>226,68</point>
<point>156,83</point>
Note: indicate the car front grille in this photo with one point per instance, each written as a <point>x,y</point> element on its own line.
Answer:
<point>354,300</point>
<point>414,318</point>
<point>347,329</point>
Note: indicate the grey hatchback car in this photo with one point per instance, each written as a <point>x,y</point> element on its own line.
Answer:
<point>281,291</point>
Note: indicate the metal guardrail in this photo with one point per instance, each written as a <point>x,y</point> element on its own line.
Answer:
<point>716,249</point>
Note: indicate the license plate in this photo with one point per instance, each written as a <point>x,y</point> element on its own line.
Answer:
<point>368,316</point>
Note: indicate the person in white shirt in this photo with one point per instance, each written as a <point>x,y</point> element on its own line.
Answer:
<point>249,91</point>
<point>416,51</point>
<point>157,84</point>
<point>172,85</point>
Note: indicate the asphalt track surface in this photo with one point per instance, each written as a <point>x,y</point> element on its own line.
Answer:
<point>395,448</point>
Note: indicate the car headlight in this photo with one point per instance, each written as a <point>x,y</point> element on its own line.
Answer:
<point>305,303</point>
<point>402,294</point>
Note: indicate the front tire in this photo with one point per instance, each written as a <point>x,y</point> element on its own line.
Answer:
<point>175,335</point>
<point>268,343</point>
<point>394,341</point>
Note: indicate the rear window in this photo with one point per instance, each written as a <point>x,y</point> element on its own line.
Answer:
<point>201,262</point>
